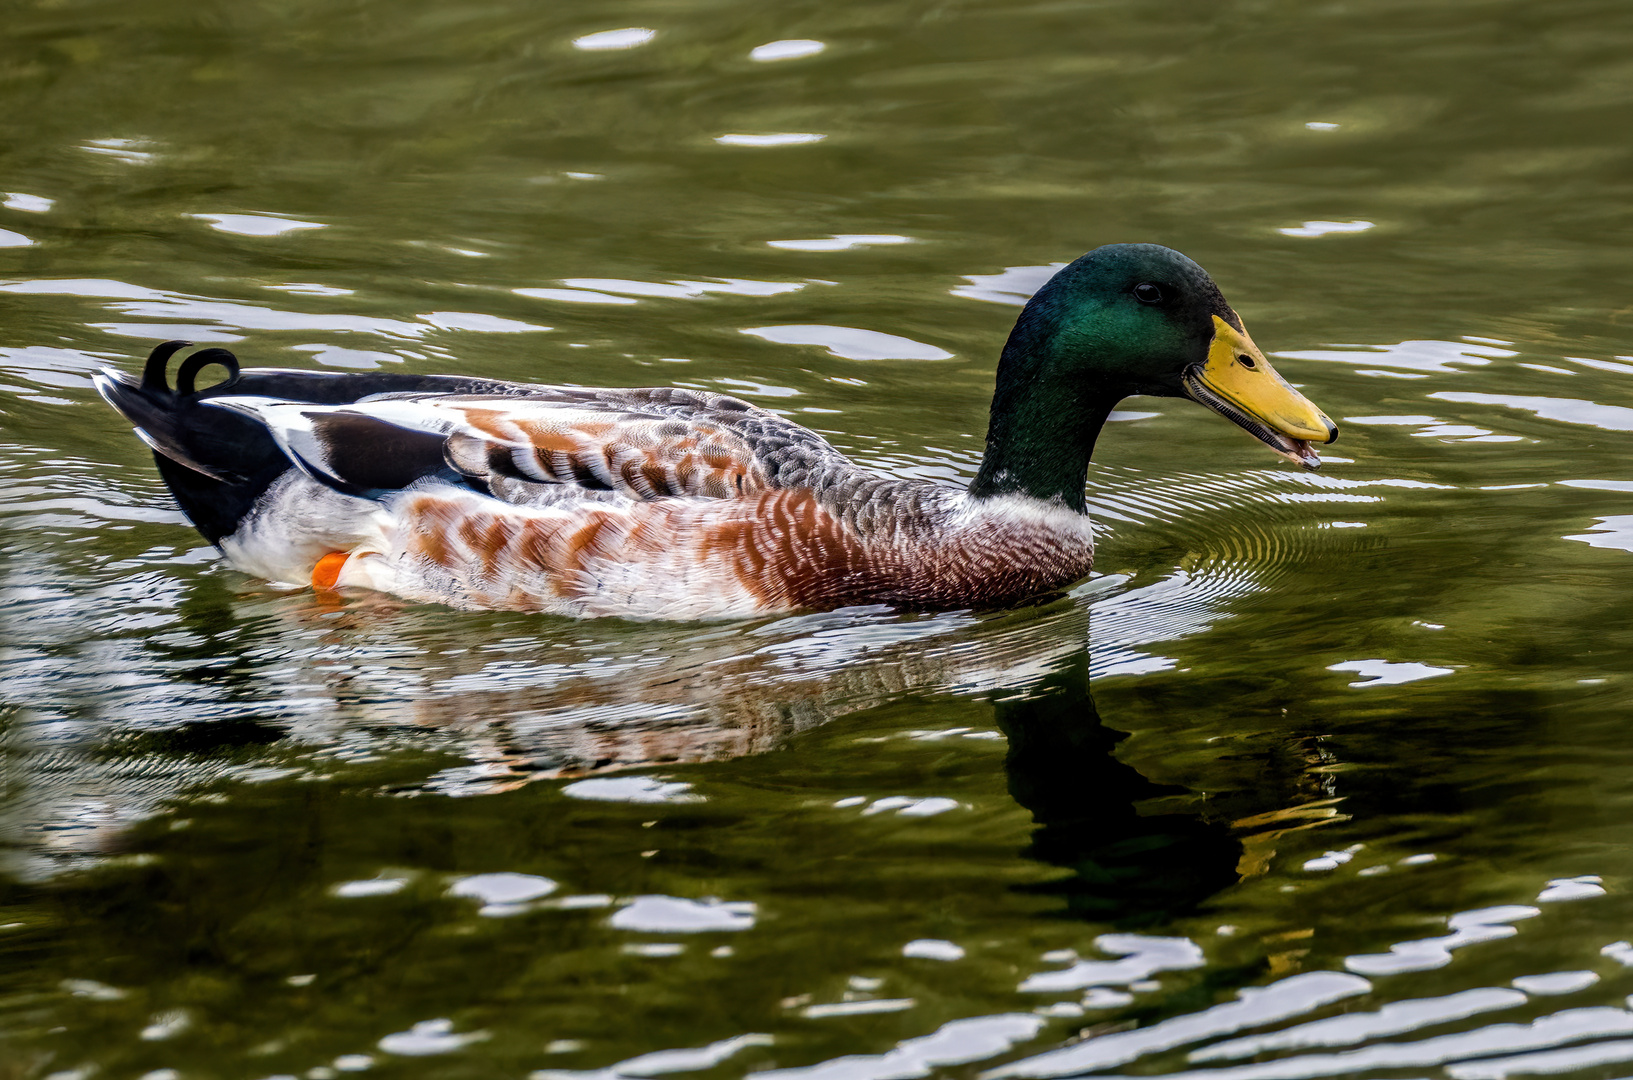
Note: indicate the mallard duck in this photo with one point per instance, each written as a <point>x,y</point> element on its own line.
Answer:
<point>671,503</point>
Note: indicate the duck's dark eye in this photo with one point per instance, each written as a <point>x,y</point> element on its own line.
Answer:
<point>1147,293</point>
<point>1246,361</point>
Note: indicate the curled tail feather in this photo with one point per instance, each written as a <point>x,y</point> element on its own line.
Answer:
<point>215,462</point>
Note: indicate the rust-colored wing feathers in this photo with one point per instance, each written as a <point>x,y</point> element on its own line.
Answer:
<point>640,445</point>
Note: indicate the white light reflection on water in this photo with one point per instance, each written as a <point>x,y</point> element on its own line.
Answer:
<point>1564,410</point>
<point>1014,285</point>
<point>1552,1030</point>
<point>1388,672</point>
<point>841,242</point>
<point>1293,996</point>
<point>129,151</point>
<point>1591,485</point>
<point>166,1025</point>
<point>933,949</point>
<point>1615,531</point>
<point>502,893</point>
<point>1548,1062</point>
<point>1584,887</point>
<point>1602,365</point>
<point>256,224</point>
<point>1330,860</point>
<point>1425,356</point>
<point>369,887</point>
<point>32,204</point>
<point>958,1042</point>
<point>575,296</point>
<point>786,49</point>
<point>628,38</point>
<point>781,138</point>
<point>429,1037</point>
<point>309,288</point>
<point>95,288</point>
<point>662,1062</point>
<point>849,342</point>
<point>1141,958</point>
<point>624,291</point>
<point>1325,228</point>
<point>857,1008</point>
<point>92,990</point>
<point>351,359</point>
<point>1395,1018</point>
<point>907,806</point>
<point>173,308</point>
<point>1431,428</point>
<point>750,388</point>
<point>1425,954</point>
<point>197,334</point>
<point>1311,991</point>
<point>1555,983</point>
<point>678,915</point>
<point>631,789</point>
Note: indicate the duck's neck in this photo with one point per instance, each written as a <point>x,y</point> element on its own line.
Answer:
<point>1043,427</point>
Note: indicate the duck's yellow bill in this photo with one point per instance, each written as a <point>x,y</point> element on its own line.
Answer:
<point>1237,382</point>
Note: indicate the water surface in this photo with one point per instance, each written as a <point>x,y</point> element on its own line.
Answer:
<point>1321,775</point>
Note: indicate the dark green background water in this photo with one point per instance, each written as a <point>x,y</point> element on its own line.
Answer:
<point>1302,686</point>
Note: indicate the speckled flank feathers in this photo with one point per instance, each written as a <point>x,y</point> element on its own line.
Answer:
<point>697,558</point>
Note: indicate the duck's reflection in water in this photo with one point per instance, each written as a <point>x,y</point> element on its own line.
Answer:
<point>329,688</point>
<point>1127,867</point>
<point>573,699</point>
<point>619,699</point>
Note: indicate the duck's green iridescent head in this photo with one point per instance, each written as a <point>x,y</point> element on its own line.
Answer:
<point>1129,319</point>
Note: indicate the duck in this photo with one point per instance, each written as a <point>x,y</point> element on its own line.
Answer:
<point>670,503</point>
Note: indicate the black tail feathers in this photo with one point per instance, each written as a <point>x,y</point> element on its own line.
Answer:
<point>153,372</point>
<point>216,462</point>
<point>168,420</point>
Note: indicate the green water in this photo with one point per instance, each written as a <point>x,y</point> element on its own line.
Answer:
<point>1295,722</point>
